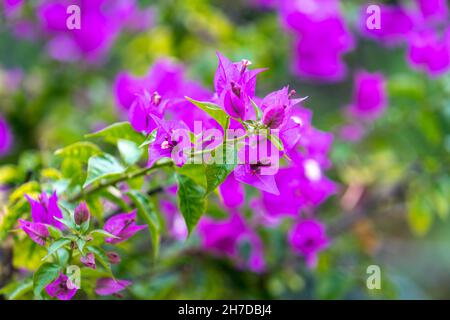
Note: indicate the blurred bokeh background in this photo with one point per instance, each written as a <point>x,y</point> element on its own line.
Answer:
<point>393,171</point>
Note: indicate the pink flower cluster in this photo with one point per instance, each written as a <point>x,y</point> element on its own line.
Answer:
<point>321,38</point>
<point>46,214</point>
<point>101,22</point>
<point>299,186</point>
<point>425,29</point>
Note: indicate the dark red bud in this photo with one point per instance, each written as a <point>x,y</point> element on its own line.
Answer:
<point>81,213</point>
<point>113,257</point>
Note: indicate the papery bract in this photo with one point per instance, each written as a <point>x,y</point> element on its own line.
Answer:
<point>396,24</point>
<point>370,97</point>
<point>322,38</point>
<point>232,192</point>
<point>258,164</point>
<point>109,286</point>
<point>307,238</point>
<point>99,26</point>
<point>88,260</point>
<point>171,140</point>
<point>433,9</point>
<point>38,232</point>
<point>430,52</point>
<point>60,288</point>
<point>174,220</point>
<point>123,226</point>
<point>45,210</point>
<point>235,86</point>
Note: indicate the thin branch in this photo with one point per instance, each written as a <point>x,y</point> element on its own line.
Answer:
<point>121,178</point>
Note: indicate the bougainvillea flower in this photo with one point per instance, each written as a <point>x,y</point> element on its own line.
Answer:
<point>369,97</point>
<point>258,164</point>
<point>250,174</point>
<point>300,187</point>
<point>226,237</point>
<point>5,137</point>
<point>352,132</point>
<point>174,220</point>
<point>307,238</point>
<point>232,192</point>
<point>61,288</point>
<point>166,77</point>
<point>123,226</point>
<point>141,110</point>
<point>313,143</point>
<point>109,286</point>
<point>12,6</point>
<point>88,260</point>
<point>171,140</point>
<point>277,106</point>
<point>436,10</point>
<point>38,232</point>
<point>222,236</point>
<point>322,38</point>
<point>396,24</point>
<point>278,113</point>
<point>235,86</point>
<point>430,52</point>
<point>45,210</point>
<point>100,23</point>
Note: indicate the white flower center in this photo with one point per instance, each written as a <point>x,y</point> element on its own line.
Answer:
<point>246,62</point>
<point>165,145</point>
<point>312,170</point>
<point>297,120</point>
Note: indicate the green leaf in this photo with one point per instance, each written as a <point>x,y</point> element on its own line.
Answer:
<point>103,166</point>
<point>216,174</point>
<point>276,141</point>
<point>191,200</point>
<point>194,171</point>
<point>258,111</point>
<point>45,275</point>
<point>80,150</point>
<point>129,151</point>
<point>67,223</point>
<point>214,111</point>
<point>80,244</point>
<point>149,139</point>
<point>103,233</point>
<point>118,131</point>
<point>55,246</point>
<point>147,212</point>
<point>54,232</point>
<point>16,290</point>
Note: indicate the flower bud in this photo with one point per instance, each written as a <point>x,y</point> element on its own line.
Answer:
<point>113,257</point>
<point>273,117</point>
<point>81,213</point>
<point>88,260</point>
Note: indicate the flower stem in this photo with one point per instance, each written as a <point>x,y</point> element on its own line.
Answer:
<point>121,178</point>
